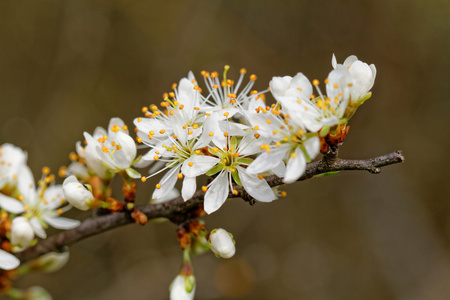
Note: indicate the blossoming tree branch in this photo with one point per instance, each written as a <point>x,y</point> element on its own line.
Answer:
<point>216,128</point>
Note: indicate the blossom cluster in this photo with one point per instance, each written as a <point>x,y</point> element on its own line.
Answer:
<point>27,208</point>
<point>215,126</point>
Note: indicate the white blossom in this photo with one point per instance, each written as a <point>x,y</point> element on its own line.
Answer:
<point>182,288</point>
<point>222,243</point>
<point>363,77</point>
<point>22,233</point>
<point>12,159</point>
<point>76,193</point>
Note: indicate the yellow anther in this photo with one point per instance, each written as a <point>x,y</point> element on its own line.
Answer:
<point>144,109</point>
<point>45,170</point>
<point>20,197</point>
<point>243,71</point>
<point>190,132</point>
<point>174,86</point>
<point>300,132</point>
<point>60,211</point>
<point>143,179</point>
<point>139,119</point>
<point>215,149</point>
<point>180,175</point>
<point>204,188</point>
<point>73,156</point>
<point>158,186</point>
<point>256,135</point>
<point>174,136</point>
<point>350,84</point>
<point>198,152</point>
<point>294,139</point>
<point>172,94</point>
<point>195,126</point>
<point>293,155</point>
<point>196,108</point>
<point>260,176</point>
<point>315,82</point>
<point>139,140</point>
<point>207,114</point>
<point>278,144</point>
<point>181,106</point>
<point>171,113</point>
<point>327,81</point>
<point>211,134</point>
<point>235,192</point>
<point>156,157</point>
<point>268,121</point>
<point>335,85</point>
<point>232,170</point>
<point>190,164</point>
<point>153,107</point>
<point>162,131</point>
<point>253,77</point>
<point>283,194</point>
<point>215,86</point>
<point>226,114</point>
<point>124,127</point>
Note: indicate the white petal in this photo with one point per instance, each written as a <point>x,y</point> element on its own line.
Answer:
<point>268,160</point>
<point>312,146</point>
<point>167,183</point>
<point>8,261</point>
<point>295,166</point>
<point>61,222</point>
<point>333,61</point>
<point>53,195</point>
<point>201,165</point>
<point>189,187</point>
<point>128,146</point>
<point>10,204</point>
<point>115,122</point>
<point>38,229</point>
<point>25,184</point>
<point>217,193</point>
<point>257,188</point>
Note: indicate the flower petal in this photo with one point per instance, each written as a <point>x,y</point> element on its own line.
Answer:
<point>37,227</point>
<point>217,193</point>
<point>257,188</point>
<point>61,222</point>
<point>8,261</point>
<point>10,204</point>
<point>189,187</point>
<point>197,165</point>
<point>295,166</point>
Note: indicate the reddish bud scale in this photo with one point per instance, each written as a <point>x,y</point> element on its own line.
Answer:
<point>139,217</point>
<point>129,191</point>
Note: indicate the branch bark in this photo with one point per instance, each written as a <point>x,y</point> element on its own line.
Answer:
<point>177,209</point>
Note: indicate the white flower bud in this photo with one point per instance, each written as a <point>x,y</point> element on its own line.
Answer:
<point>22,233</point>
<point>51,262</point>
<point>182,288</point>
<point>222,243</point>
<point>76,193</point>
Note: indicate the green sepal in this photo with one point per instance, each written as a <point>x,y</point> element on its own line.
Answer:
<point>233,144</point>
<point>189,283</point>
<point>214,170</point>
<point>324,131</point>
<point>236,178</point>
<point>136,160</point>
<point>133,173</point>
<point>244,160</point>
<point>305,153</point>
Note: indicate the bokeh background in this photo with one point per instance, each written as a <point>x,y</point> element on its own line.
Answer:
<point>69,66</point>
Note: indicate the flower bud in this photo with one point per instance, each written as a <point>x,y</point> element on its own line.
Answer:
<point>182,288</point>
<point>222,243</point>
<point>22,234</point>
<point>76,193</point>
<point>51,262</point>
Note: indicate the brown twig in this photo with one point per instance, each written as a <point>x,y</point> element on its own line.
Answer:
<point>178,210</point>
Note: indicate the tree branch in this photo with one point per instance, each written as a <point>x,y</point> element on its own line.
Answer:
<point>178,210</point>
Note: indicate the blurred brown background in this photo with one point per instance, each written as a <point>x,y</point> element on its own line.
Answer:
<point>69,66</point>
